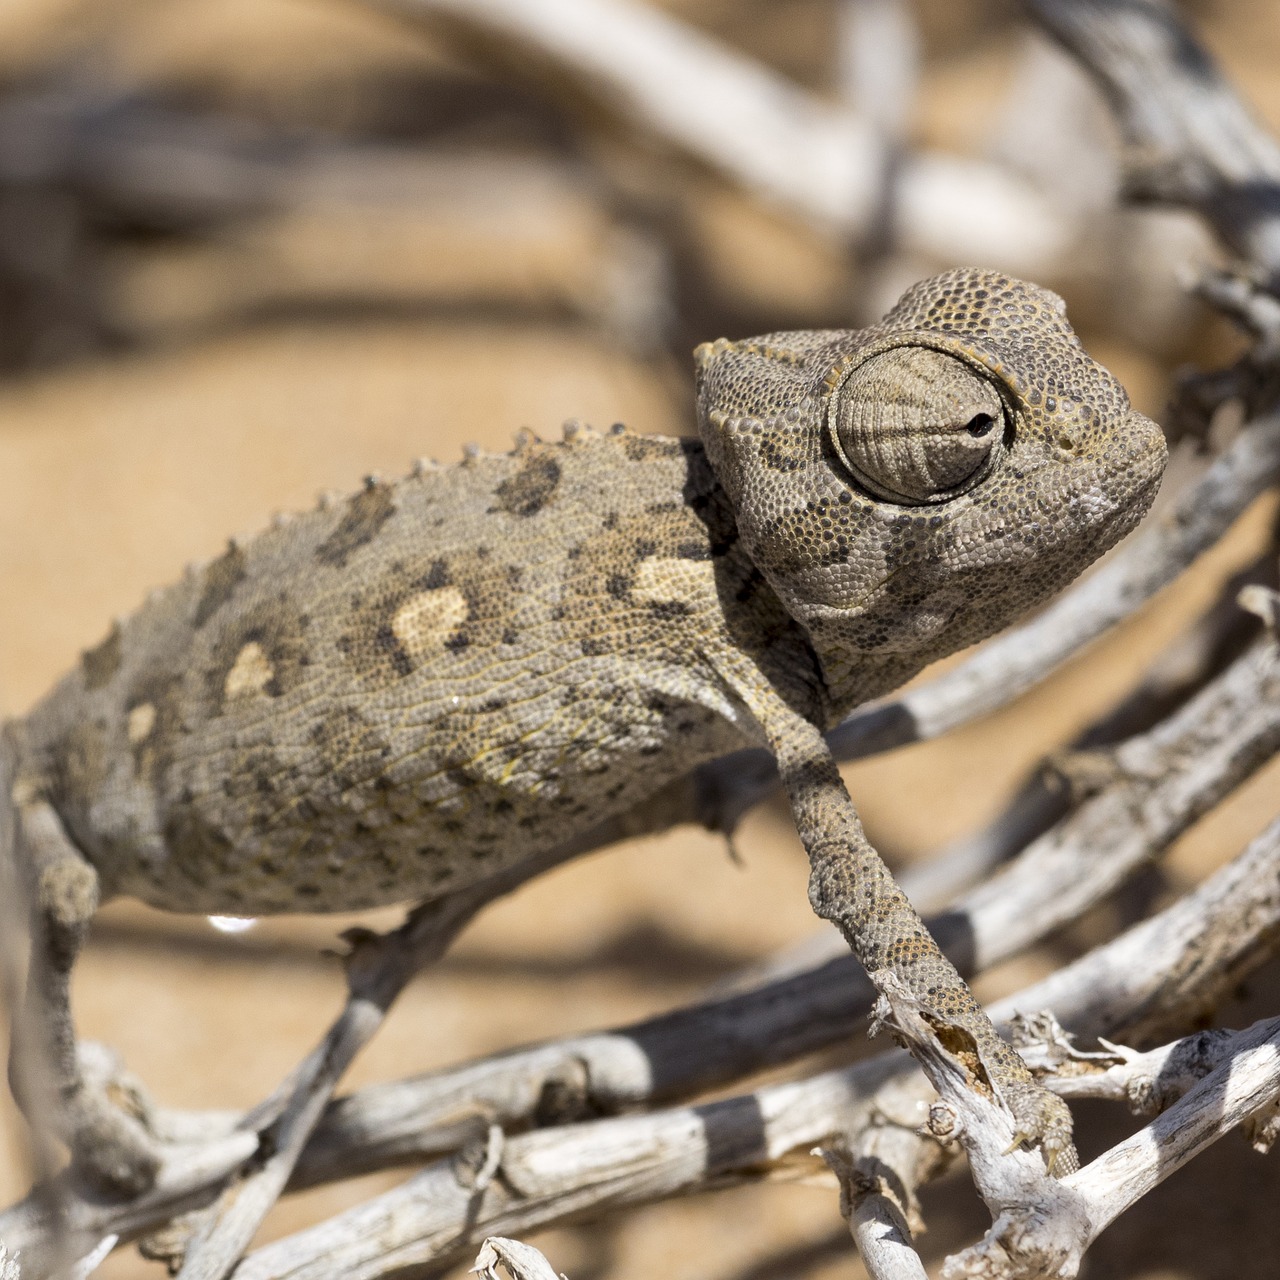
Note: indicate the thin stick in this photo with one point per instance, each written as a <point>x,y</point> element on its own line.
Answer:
<point>377,970</point>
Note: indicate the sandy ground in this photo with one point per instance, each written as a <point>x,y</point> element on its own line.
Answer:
<point>117,470</point>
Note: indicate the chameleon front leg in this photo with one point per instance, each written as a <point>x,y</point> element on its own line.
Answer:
<point>111,1148</point>
<point>850,885</point>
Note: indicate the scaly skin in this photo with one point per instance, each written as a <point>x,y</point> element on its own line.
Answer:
<point>403,695</point>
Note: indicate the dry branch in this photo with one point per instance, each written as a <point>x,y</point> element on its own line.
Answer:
<point>1151,975</point>
<point>1162,781</point>
<point>377,970</point>
<point>877,1201</point>
<point>1245,1082</point>
<point>794,151</point>
<point>1189,138</point>
<point>1150,1082</point>
<point>1238,1089</point>
<point>520,1261</point>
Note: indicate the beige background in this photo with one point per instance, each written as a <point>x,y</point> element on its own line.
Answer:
<point>116,469</point>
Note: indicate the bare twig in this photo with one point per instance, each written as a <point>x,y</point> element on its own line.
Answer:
<point>1045,1216</point>
<point>1237,1089</point>
<point>1189,138</point>
<point>377,970</point>
<point>1244,1084</point>
<point>878,1204</point>
<point>1148,1083</point>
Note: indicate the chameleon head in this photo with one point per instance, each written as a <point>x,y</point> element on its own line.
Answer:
<point>910,488</point>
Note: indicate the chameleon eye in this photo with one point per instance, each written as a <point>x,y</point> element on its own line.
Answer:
<point>915,426</point>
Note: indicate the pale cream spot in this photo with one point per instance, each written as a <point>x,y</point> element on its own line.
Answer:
<point>250,674</point>
<point>425,621</point>
<point>142,720</point>
<point>660,581</point>
<point>25,791</point>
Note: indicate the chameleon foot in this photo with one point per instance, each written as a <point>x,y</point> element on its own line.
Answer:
<point>108,1126</point>
<point>1042,1120</point>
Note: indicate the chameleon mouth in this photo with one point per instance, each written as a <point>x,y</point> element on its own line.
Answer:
<point>1128,496</point>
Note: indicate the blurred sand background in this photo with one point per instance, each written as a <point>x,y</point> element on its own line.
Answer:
<point>217,380</point>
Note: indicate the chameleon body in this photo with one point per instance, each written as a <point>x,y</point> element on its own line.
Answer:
<point>406,693</point>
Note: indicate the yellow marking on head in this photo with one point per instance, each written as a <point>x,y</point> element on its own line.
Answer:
<point>782,355</point>
<point>835,375</point>
<point>251,672</point>
<point>667,581</point>
<point>142,720</point>
<point>425,621</point>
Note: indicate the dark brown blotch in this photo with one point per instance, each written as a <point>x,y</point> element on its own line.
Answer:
<point>369,642</point>
<point>276,627</point>
<point>530,489</point>
<point>364,517</point>
<point>153,752</point>
<point>384,640</point>
<point>646,448</point>
<point>220,579</point>
<point>355,754</point>
<point>103,661</point>
<point>257,776</point>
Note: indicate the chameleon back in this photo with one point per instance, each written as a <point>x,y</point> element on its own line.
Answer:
<point>393,697</point>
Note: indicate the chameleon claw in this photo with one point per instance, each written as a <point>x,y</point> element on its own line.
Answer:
<point>1043,1120</point>
<point>1019,1139</point>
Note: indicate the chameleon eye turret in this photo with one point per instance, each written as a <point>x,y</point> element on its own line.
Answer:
<point>914,425</point>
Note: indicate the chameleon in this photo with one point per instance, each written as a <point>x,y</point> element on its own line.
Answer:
<point>404,694</point>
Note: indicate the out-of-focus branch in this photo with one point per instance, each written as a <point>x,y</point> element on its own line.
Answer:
<point>292,218</point>
<point>1189,138</point>
<point>663,76</point>
<point>795,151</point>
